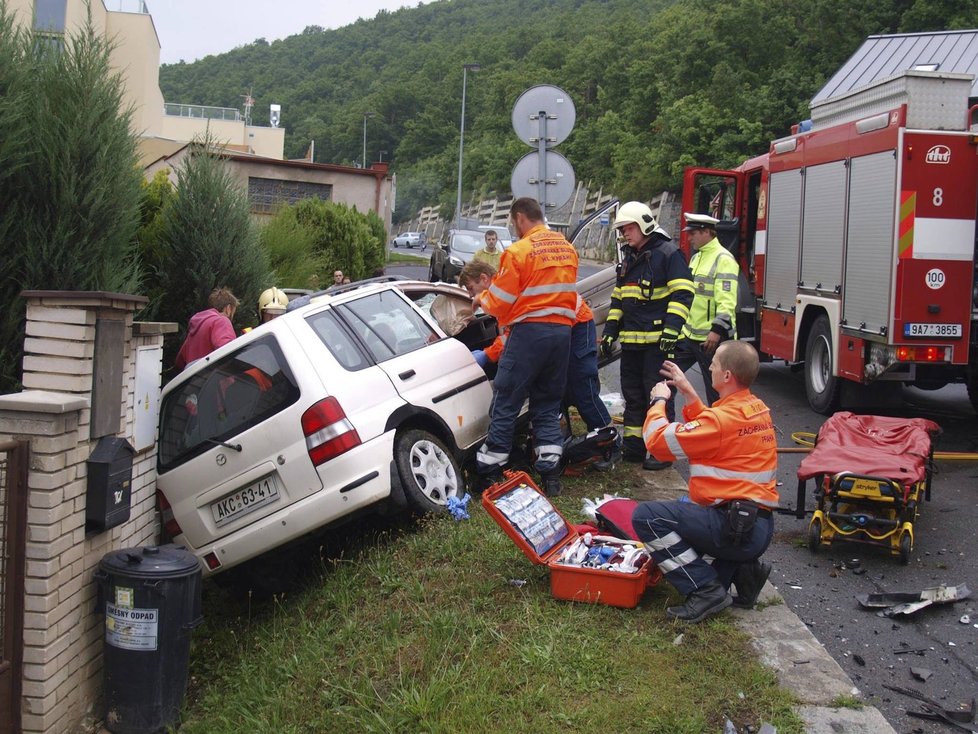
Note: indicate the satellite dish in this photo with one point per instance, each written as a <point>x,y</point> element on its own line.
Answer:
<point>559,182</point>
<point>558,108</point>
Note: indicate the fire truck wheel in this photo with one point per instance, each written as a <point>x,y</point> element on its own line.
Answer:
<point>821,386</point>
<point>971,378</point>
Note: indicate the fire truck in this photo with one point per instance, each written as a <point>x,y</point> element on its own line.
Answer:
<point>855,236</point>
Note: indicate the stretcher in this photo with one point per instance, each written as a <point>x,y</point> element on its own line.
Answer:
<point>870,474</point>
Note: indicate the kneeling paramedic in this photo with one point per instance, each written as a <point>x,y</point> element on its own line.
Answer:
<point>732,454</point>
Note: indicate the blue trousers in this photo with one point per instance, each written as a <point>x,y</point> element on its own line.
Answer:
<point>679,534</point>
<point>534,365</point>
<point>583,385</point>
<point>639,372</point>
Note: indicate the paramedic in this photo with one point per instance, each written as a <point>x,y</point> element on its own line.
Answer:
<point>713,315</point>
<point>732,454</point>
<point>649,305</point>
<point>209,329</point>
<point>534,296</point>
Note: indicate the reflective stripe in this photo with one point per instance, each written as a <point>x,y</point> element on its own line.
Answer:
<point>673,443</point>
<point>680,284</point>
<point>698,332</point>
<point>727,276</point>
<point>653,427</point>
<point>501,294</point>
<point>550,449</point>
<point>676,562</point>
<point>541,312</point>
<point>615,314</point>
<point>535,290</point>
<point>678,309</point>
<point>664,541</point>
<point>713,472</point>
<point>631,431</point>
<point>490,458</point>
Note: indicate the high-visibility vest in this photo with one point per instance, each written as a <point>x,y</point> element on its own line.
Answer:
<point>715,273</point>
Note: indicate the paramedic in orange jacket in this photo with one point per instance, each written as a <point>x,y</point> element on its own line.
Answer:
<point>534,296</point>
<point>732,454</point>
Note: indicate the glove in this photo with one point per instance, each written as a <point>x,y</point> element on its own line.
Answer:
<point>667,342</point>
<point>607,345</point>
<point>480,357</point>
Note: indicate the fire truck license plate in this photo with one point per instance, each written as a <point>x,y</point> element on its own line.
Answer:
<point>940,330</point>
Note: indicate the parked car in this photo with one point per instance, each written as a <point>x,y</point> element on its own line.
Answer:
<point>447,260</point>
<point>411,239</point>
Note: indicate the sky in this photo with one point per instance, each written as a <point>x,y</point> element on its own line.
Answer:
<point>192,29</point>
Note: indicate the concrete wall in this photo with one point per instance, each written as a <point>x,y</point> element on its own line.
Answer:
<point>63,635</point>
<point>264,141</point>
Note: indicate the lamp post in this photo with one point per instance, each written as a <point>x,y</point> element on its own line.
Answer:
<point>461,144</point>
<point>364,159</point>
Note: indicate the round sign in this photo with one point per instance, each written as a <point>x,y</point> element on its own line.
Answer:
<point>934,278</point>
<point>558,174</point>
<point>544,104</point>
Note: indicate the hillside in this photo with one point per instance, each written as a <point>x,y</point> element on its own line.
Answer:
<point>658,84</point>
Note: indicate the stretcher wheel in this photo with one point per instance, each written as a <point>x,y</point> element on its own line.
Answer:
<point>814,535</point>
<point>906,545</point>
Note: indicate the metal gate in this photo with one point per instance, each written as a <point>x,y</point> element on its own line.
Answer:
<point>14,460</point>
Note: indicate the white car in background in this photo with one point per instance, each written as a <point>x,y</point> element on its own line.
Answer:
<point>411,239</point>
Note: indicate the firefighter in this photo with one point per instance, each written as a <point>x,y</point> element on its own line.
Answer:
<point>271,303</point>
<point>713,315</point>
<point>534,296</point>
<point>649,305</point>
<point>732,454</point>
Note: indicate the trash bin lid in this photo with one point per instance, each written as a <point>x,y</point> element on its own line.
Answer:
<point>156,561</point>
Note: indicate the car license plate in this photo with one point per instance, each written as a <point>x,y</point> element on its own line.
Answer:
<point>246,500</point>
<point>938,330</point>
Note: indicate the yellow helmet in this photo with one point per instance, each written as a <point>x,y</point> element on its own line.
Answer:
<point>273,302</point>
<point>636,211</point>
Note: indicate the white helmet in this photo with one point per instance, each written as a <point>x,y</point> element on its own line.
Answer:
<point>272,301</point>
<point>636,211</point>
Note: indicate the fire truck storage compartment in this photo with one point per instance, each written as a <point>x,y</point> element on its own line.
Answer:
<point>869,232</point>
<point>823,231</point>
<point>783,239</point>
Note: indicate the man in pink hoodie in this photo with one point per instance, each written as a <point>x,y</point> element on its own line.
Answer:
<point>209,329</point>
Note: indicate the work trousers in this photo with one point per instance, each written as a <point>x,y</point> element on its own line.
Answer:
<point>690,352</point>
<point>679,534</point>
<point>534,365</point>
<point>583,385</point>
<point>639,372</point>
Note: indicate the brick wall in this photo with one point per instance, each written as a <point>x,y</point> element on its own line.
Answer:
<point>63,635</point>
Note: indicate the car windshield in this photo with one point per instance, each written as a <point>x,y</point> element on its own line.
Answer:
<point>469,243</point>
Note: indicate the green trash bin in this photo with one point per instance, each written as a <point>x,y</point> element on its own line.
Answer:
<point>150,598</point>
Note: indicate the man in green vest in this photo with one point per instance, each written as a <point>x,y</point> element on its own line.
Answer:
<point>713,315</point>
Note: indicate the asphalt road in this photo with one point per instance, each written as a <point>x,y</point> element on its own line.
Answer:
<point>822,593</point>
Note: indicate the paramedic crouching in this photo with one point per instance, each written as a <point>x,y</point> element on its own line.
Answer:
<point>731,449</point>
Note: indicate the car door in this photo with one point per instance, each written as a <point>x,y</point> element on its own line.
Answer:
<point>430,370</point>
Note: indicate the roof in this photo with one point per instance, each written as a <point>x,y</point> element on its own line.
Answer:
<point>152,149</point>
<point>880,57</point>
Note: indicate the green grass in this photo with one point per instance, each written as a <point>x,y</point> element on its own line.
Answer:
<point>403,257</point>
<point>415,627</point>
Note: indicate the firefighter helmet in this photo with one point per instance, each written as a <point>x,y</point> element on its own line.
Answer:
<point>636,211</point>
<point>272,302</point>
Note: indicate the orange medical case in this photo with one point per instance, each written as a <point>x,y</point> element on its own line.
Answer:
<point>549,533</point>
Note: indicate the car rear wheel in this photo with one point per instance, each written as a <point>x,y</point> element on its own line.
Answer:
<point>429,472</point>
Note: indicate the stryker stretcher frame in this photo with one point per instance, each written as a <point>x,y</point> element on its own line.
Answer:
<point>870,473</point>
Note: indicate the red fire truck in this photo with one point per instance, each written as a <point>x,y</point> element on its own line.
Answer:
<point>856,238</point>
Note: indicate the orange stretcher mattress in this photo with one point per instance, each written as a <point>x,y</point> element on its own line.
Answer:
<point>894,448</point>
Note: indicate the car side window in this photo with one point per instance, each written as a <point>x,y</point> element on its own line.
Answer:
<point>387,324</point>
<point>342,346</point>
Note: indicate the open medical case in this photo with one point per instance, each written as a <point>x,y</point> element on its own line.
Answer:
<point>542,533</point>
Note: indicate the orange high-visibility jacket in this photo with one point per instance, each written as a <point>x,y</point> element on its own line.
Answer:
<point>731,448</point>
<point>495,350</point>
<point>536,282</point>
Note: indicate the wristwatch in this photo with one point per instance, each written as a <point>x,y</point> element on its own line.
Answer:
<point>657,398</point>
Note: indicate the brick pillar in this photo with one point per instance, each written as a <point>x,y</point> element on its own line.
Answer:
<point>81,348</point>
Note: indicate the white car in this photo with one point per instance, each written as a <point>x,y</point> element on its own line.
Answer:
<point>357,399</point>
<point>411,239</point>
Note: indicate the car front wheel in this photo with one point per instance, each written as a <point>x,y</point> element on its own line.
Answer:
<point>429,472</point>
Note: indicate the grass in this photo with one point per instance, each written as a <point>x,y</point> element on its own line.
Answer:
<point>403,257</point>
<point>415,626</point>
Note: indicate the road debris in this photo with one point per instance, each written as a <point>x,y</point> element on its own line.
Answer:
<point>921,674</point>
<point>896,603</point>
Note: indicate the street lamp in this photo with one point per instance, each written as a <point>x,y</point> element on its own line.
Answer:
<point>365,116</point>
<point>382,154</point>
<point>461,143</point>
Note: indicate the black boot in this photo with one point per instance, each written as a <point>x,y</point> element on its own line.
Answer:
<point>749,578</point>
<point>653,464</point>
<point>703,602</point>
<point>486,480</point>
<point>551,485</point>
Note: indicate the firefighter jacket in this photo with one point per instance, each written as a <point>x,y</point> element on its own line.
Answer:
<point>653,292</point>
<point>536,282</point>
<point>495,350</point>
<point>731,448</point>
<point>714,308</point>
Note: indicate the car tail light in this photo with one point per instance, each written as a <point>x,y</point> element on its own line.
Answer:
<point>212,561</point>
<point>170,526</point>
<point>921,354</point>
<point>328,432</point>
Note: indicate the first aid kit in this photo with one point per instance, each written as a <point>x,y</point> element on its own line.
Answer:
<point>590,568</point>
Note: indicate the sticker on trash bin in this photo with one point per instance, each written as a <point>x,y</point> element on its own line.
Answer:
<point>131,629</point>
<point>123,597</point>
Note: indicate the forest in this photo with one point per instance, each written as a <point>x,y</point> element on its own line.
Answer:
<point>657,84</point>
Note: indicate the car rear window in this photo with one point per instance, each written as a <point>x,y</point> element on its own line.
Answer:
<point>225,398</point>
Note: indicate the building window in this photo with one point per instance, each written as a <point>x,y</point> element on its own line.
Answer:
<point>49,16</point>
<point>267,194</point>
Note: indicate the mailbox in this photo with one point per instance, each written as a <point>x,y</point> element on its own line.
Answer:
<point>109,495</point>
